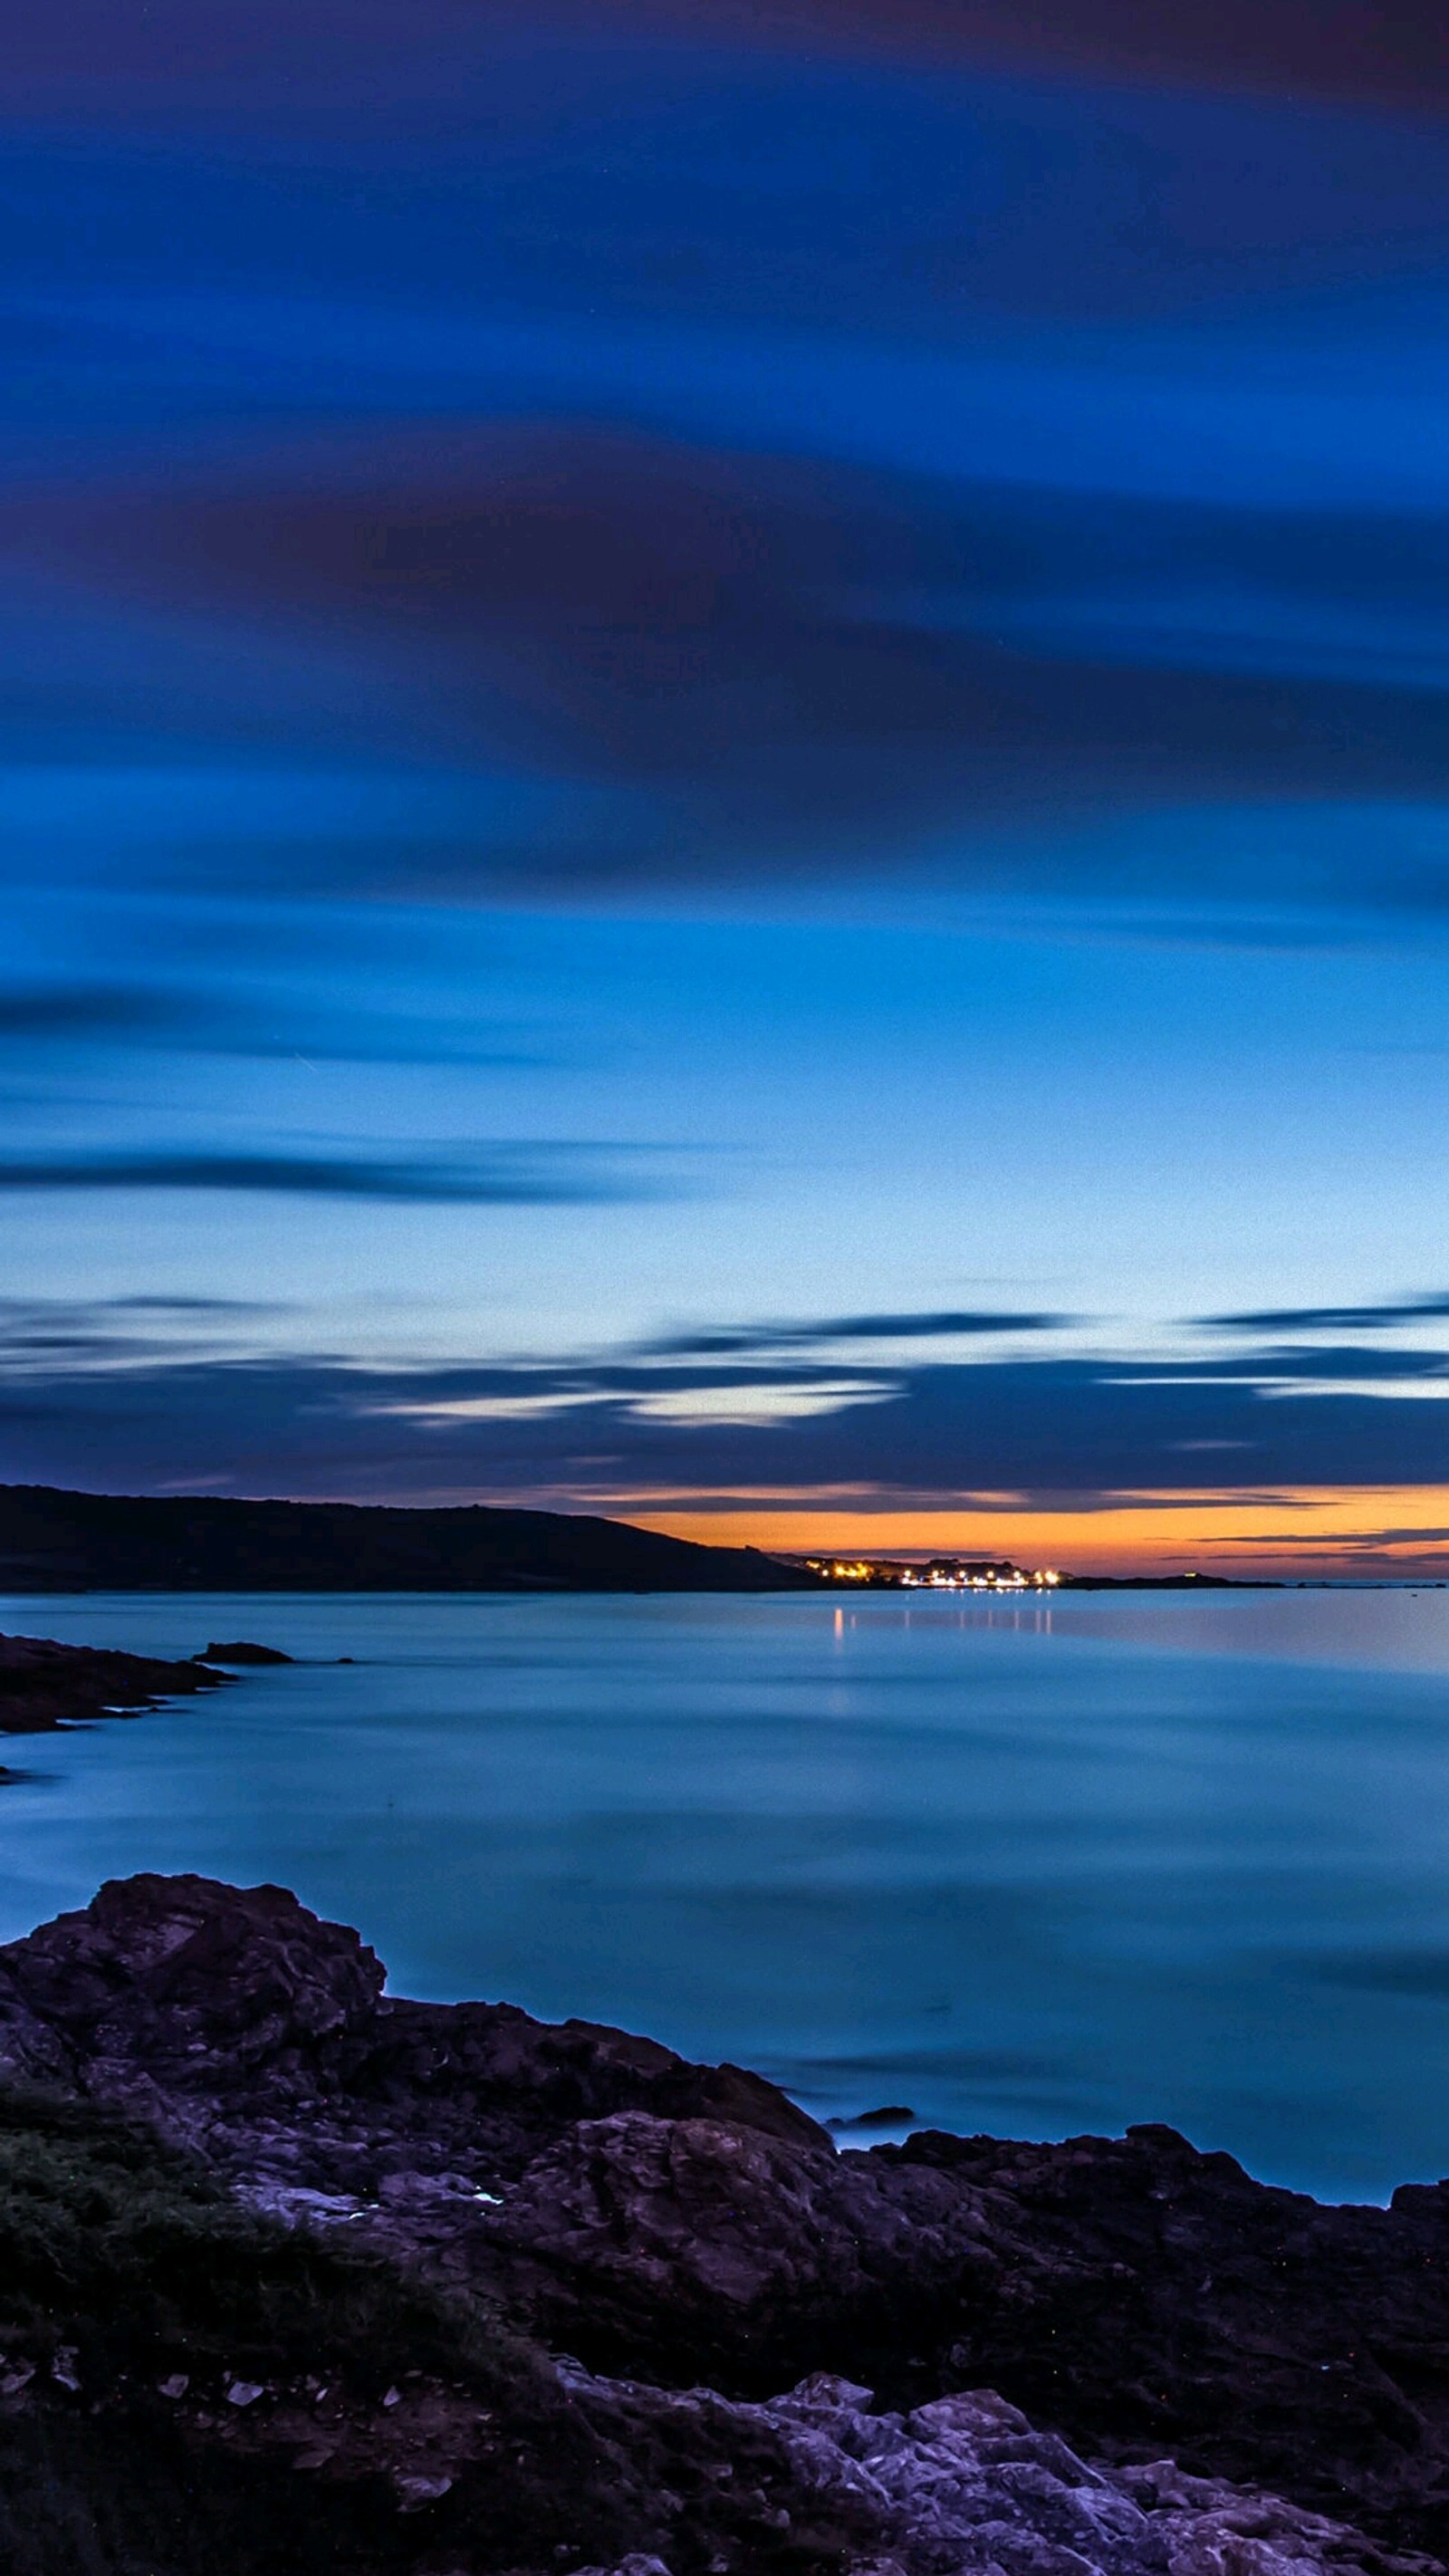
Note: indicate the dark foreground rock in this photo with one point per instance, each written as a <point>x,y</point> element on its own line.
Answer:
<point>296,2274</point>
<point>44,1685</point>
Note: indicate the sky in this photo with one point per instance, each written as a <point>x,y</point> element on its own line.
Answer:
<point>724,788</point>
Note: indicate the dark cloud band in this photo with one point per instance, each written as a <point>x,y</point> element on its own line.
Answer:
<point>727,665</point>
<point>80,1011</point>
<point>514,1179</point>
<point>388,66</point>
<point>88,1397</point>
<point>949,1325</point>
<point>1344,1319</point>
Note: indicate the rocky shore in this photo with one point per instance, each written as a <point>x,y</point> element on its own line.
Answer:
<point>297,2275</point>
<point>44,1685</point>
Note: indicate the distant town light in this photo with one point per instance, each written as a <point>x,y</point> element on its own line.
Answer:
<point>938,1574</point>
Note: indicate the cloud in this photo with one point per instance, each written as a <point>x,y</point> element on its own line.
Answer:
<point>1318,1319</point>
<point>1366,49</point>
<point>82,1401</point>
<point>946,1325</point>
<point>599,657</point>
<point>215,1014</point>
<point>169,1305</point>
<point>742,1401</point>
<point>60,1338</point>
<point>261,64</point>
<point>575,514</point>
<point>71,1011</point>
<point>1423,1972</point>
<point>517,1176</point>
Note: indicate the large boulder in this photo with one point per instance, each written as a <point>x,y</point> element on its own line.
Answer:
<point>188,1984</point>
<point>724,2254</point>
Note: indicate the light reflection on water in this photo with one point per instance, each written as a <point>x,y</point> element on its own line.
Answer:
<point>1030,1867</point>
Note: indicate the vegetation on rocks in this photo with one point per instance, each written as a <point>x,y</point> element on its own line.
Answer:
<point>130,2253</point>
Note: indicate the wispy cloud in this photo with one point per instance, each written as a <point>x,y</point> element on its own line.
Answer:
<point>1322,1319</point>
<point>948,1325</point>
<point>1368,49</point>
<point>261,64</point>
<point>538,523</point>
<point>84,1391</point>
<point>79,1011</point>
<point>651,660</point>
<point>511,1175</point>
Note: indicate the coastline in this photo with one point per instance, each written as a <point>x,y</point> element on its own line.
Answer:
<point>45,1685</point>
<point>393,1792</point>
<point>554,2279</point>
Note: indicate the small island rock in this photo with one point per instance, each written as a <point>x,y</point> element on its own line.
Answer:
<point>242,1651</point>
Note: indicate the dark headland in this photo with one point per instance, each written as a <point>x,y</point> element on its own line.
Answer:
<point>51,1541</point>
<point>298,2278</point>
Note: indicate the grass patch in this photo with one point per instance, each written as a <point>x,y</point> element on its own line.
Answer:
<point>126,2251</point>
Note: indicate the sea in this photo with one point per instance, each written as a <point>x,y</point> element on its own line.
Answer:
<point>1034,1868</point>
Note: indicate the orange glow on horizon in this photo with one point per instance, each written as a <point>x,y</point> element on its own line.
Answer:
<point>1307,1531</point>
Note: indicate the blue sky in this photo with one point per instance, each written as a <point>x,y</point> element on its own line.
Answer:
<point>723,769</point>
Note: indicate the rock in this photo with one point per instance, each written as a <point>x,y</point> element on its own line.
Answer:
<point>967,2484</point>
<point>158,1987</point>
<point>1151,2298</point>
<point>729,2254</point>
<point>242,1652</point>
<point>44,1685</point>
<point>242,2003</point>
<point>1152,2322</point>
<point>636,2564</point>
<point>414,2492</point>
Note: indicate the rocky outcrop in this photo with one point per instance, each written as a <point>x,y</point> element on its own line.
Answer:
<point>818,2476</point>
<point>243,2024</point>
<point>44,1685</point>
<point>1184,2344</point>
<point>740,2258</point>
<point>966,2484</point>
<point>244,1650</point>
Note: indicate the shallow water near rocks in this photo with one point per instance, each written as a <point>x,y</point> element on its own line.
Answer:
<point>1034,1869</point>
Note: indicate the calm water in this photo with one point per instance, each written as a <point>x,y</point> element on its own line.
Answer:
<point>1032,1870</point>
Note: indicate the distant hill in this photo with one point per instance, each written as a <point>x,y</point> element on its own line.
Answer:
<point>52,1541</point>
